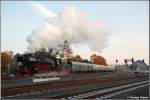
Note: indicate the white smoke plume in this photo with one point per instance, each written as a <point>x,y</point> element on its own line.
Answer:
<point>72,25</point>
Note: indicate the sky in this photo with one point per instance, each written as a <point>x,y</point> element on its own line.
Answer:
<point>126,21</point>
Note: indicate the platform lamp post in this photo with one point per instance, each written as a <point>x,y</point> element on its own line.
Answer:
<point>8,69</point>
<point>133,66</point>
<point>116,63</point>
<point>126,64</point>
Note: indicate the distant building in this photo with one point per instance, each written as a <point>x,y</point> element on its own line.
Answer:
<point>139,66</point>
<point>96,59</point>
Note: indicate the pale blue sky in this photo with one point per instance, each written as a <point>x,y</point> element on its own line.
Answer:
<point>127,21</point>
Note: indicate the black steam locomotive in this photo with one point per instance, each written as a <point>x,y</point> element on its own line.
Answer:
<point>28,65</point>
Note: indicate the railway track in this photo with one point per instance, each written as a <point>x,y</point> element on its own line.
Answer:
<point>62,85</point>
<point>28,81</point>
<point>72,91</point>
<point>108,92</point>
<point>21,82</point>
<point>98,88</point>
<point>27,89</point>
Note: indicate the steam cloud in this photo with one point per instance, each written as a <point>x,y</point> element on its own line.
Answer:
<point>71,25</point>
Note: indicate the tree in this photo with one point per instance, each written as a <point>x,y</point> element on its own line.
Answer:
<point>65,50</point>
<point>40,54</point>
<point>86,61</point>
<point>97,59</point>
<point>7,62</point>
<point>75,58</point>
<point>37,55</point>
<point>6,58</point>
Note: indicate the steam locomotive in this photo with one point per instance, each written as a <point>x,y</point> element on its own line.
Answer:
<point>28,65</point>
